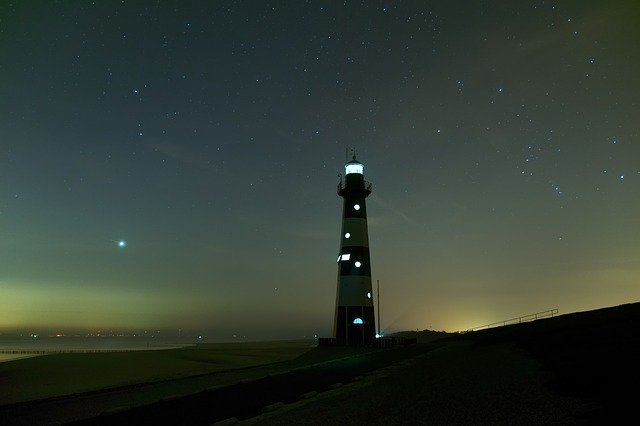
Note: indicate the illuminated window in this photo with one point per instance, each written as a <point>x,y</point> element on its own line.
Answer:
<point>358,321</point>
<point>346,256</point>
<point>368,295</point>
<point>356,206</point>
<point>347,235</point>
<point>354,168</point>
<point>358,264</point>
<point>339,256</point>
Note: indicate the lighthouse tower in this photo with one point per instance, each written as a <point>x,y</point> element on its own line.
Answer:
<point>354,322</point>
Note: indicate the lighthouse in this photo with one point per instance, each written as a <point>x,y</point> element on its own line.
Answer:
<point>354,322</point>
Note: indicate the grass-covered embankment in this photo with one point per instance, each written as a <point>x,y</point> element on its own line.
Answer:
<point>55,375</point>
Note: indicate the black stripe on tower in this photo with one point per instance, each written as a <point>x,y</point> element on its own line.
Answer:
<point>356,254</point>
<point>349,207</point>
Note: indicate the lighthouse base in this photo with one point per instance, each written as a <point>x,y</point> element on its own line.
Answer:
<point>355,325</point>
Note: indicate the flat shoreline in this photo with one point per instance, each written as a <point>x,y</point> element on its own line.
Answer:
<point>4,357</point>
<point>8,355</point>
<point>14,353</point>
<point>80,351</point>
<point>31,374</point>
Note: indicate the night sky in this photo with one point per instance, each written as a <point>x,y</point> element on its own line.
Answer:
<point>501,138</point>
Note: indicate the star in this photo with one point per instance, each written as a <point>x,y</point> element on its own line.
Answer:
<point>122,243</point>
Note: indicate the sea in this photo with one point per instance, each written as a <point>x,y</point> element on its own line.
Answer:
<point>17,347</point>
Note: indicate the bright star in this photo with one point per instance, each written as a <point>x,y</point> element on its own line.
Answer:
<point>122,243</point>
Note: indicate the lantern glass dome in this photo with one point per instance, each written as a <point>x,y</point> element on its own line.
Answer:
<point>354,167</point>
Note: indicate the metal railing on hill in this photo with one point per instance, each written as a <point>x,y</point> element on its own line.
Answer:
<point>517,320</point>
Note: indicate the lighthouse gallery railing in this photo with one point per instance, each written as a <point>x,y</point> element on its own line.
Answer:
<point>341,186</point>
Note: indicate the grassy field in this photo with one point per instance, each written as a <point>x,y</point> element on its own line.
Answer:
<point>63,374</point>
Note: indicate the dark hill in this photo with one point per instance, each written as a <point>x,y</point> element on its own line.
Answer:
<point>594,355</point>
<point>424,336</point>
<point>572,369</point>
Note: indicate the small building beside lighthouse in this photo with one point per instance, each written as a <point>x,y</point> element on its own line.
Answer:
<point>354,322</point>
